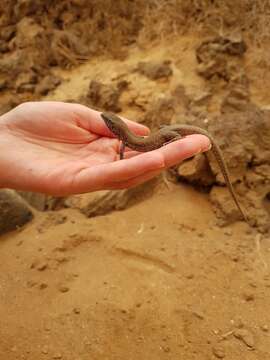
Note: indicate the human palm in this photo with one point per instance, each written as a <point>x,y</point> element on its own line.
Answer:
<point>63,148</point>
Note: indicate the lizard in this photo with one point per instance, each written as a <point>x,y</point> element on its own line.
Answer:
<point>163,136</point>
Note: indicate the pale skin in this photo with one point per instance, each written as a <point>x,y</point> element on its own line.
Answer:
<point>61,148</point>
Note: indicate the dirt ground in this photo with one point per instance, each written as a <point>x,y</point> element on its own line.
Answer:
<point>175,275</point>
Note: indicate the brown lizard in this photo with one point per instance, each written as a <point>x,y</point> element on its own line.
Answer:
<point>162,137</point>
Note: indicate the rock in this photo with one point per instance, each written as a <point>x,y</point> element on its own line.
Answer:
<point>42,266</point>
<point>196,170</point>
<point>238,99</point>
<point>216,67</point>
<point>215,57</point>
<point>25,79</point>
<point>245,336</point>
<point>63,288</point>
<point>228,231</point>
<point>40,201</point>
<point>104,96</point>
<point>160,112</point>
<point>45,350</point>
<point>3,84</point>
<point>265,328</point>
<point>201,99</point>
<point>103,202</point>
<point>43,286</point>
<point>8,105</point>
<point>232,45</point>
<point>248,296</point>
<point>57,356</point>
<point>8,32</point>
<point>155,70</point>
<point>13,211</point>
<point>47,84</point>
<point>218,351</point>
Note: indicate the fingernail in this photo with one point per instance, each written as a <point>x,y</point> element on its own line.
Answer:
<point>208,148</point>
<point>204,150</point>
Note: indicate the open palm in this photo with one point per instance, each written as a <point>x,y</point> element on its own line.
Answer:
<point>61,148</point>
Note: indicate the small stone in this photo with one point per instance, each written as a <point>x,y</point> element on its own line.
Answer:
<point>253,284</point>
<point>63,288</point>
<point>43,286</point>
<point>47,328</point>
<point>190,276</point>
<point>76,310</point>
<point>235,258</point>
<point>198,314</point>
<point>218,351</point>
<point>57,356</point>
<point>14,213</point>
<point>19,243</point>
<point>245,336</point>
<point>265,328</point>
<point>155,70</point>
<point>31,283</point>
<point>47,84</point>
<point>201,234</point>
<point>45,350</point>
<point>228,232</point>
<point>3,84</point>
<point>42,266</point>
<point>248,296</point>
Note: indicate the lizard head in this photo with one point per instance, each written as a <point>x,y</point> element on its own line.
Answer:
<point>114,123</point>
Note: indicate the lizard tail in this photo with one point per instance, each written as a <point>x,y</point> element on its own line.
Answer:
<point>219,157</point>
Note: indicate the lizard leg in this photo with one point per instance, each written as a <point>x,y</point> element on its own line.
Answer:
<point>121,150</point>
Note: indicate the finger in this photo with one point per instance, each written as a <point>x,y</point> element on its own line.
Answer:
<point>101,176</point>
<point>134,181</point>
<point>182,149</point>
<point>91,120</point>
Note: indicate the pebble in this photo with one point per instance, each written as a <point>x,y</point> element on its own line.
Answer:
<point>57,356</point>
<point>43,286</point>
<point>265,328</point>
<point>31,283</point>
<point>76,310</point>
<point>198,314</point>
<point>45,350</point>
<point>42,266</point>
<point>228,232</point>
<point>218,351</point>
<point>245,336</point>
<point>248,296</point>
<point>63,288</point>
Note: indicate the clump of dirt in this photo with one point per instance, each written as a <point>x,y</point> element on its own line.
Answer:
<point>58,35</point>
<point>14,211</point>
<point>104,96</point>
<point>155,71</point>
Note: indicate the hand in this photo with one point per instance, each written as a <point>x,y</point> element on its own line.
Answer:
<point>60,148</point>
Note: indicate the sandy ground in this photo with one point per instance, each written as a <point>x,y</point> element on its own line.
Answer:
<point>157,281</point>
